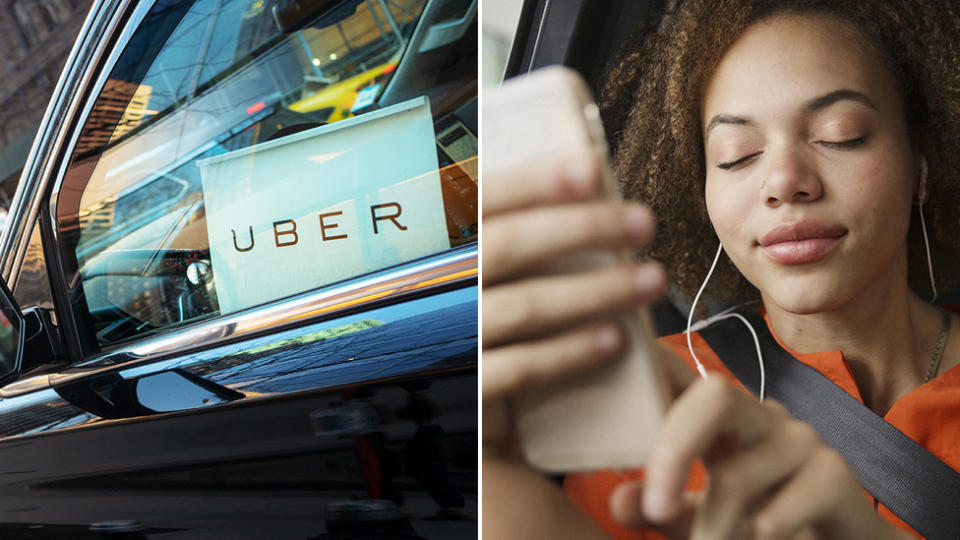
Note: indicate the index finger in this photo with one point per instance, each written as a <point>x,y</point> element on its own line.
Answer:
<point>571,178</point>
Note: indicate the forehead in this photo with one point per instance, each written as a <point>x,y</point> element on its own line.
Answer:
<point>781,62</point>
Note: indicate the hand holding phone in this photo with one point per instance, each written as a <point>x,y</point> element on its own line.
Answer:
<point>606,417</point>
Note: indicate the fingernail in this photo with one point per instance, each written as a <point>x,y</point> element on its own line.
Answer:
<point>638,223</point>
<point>656,506</point>
<point>607,338</point>
<point>648,278</point>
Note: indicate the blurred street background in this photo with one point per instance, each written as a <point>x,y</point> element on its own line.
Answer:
<point>35,37</point>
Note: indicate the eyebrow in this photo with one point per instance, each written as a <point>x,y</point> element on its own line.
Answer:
<point>724,119</point>
<point>824,101</point>
<point>813,105</point>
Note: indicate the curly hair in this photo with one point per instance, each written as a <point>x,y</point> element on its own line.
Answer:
<point>651,100</point>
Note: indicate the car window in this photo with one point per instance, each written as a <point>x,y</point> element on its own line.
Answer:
<point>241,151</point>
<point>32,284</point>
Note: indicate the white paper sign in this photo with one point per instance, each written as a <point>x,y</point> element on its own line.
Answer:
<point>323,205</point>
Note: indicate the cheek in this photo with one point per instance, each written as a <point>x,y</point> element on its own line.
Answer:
<point>885,187</point>
<point>714,207</point>
<point>727,207</point>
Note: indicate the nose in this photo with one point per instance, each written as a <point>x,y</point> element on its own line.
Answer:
<point>790,179</point>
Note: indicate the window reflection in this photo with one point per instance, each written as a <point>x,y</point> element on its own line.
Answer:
<point>201,80</point>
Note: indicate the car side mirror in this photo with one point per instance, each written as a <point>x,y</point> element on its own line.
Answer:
<point>11,336</point>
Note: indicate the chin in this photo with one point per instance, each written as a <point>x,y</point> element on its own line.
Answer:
<point>803,307</point>
<point>804,299</point>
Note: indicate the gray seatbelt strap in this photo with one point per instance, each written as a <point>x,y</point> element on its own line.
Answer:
<point>914,484</point>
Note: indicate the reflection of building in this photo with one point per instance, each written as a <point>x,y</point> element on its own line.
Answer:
<point>35,40</point>
<point>116,113</point>
<point>99,217</point>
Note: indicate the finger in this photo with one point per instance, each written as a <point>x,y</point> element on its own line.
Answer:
<point>823,488</point>
<point>547,182</point>
<point>537,306</point>
<point>626,503</point>
<point>509,369</point>
<point>496,432</point>
<point>737,482</point>
<point>711,418</point>
<point>516,242</point>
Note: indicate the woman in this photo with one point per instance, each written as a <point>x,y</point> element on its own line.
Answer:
<point>801,135</point>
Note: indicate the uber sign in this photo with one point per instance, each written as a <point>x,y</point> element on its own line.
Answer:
<point>323,205</point>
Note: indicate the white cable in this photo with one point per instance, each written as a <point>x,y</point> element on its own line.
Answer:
<point>724,315</point>
<point>704,323</point>
<point>700,369</point>
<point>926,244</point>
<point>756,343</point>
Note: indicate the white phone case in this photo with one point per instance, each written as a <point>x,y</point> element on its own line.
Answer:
<point>606,418</point>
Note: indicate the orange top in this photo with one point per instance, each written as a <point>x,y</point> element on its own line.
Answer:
<point>927,414</point>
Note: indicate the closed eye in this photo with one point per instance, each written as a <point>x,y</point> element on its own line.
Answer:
<point>731,164</point>
<point>840,145</point>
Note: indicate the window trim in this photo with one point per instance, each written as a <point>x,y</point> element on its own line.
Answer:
<point>455,268</point>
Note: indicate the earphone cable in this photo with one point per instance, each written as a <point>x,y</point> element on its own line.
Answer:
<point>756,341</point>
<point>700,369</point>
<point>926,244</point>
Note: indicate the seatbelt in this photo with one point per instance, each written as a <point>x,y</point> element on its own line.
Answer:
<point>914,484</point>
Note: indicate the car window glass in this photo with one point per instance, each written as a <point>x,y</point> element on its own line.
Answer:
<point>32,286</point>
<point>333,138</point>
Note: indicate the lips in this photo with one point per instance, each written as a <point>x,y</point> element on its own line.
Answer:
<point>800,242</point>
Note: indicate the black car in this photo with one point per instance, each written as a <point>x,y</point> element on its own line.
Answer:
<point>315,378</point>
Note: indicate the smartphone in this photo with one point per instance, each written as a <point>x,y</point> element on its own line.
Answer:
<point>606,418</point>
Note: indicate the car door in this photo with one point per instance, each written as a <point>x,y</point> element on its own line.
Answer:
<point>248,234</point>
